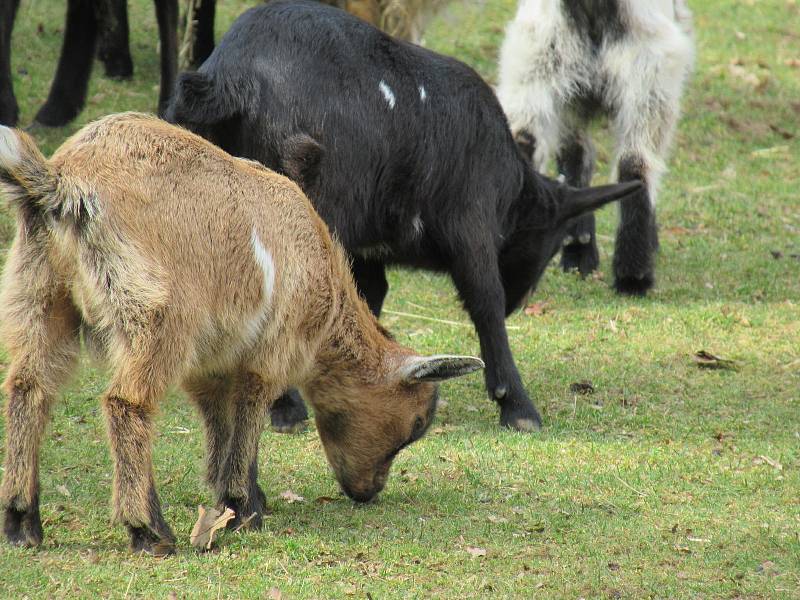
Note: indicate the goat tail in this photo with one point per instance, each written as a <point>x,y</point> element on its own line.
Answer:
<point>34,188</point>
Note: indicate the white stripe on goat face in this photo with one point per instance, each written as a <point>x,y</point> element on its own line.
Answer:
<point>388,94</point>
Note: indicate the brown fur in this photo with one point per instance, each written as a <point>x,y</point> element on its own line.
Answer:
<point>405,19</point>
<point>147,237</point>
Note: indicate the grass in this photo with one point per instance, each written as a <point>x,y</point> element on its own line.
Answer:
<point>668,481</point>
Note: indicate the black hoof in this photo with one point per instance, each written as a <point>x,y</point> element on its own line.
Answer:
<point>520,418</point>
<point>634,286</point>
<point>23,528</point>
<point>249,512</point>
<point>145,540</point>
<point>118,67</point>
<point>56,114</point>
<point>288,414</point>
<point>583,258</point>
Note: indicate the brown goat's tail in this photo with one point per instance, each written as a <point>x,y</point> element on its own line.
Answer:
<point>32,186</point>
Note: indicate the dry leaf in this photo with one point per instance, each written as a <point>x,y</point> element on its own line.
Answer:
<point>325,500</point>
<point>706,360</point>
<point>62,489</point>
<point>209,521</point>
<point>274,594</point>
<point>537,309</point>
<point>291,497</point>
<point>494,519</point>
<point>771,462</point>
<point>474,551</point>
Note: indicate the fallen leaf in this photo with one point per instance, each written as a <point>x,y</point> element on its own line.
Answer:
<point>771,462</point>
<point>706,360</point>
<point>291,497</point>
<point>494,519</point>
<point>613,566</point>
<point>209,521</point>
<point>325,500</point>
<point>245,522</point>
<point>584,388</point>
<point>768,568</point>
<point>474,551</point>
<point>62,489</point>
<point>537,309</point>
<point>274,594</point>
<point>698,540</point>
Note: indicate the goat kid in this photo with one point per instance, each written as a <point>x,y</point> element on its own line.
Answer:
<point>180,263</point>
<point>565,62</point>
<point>422,170</point>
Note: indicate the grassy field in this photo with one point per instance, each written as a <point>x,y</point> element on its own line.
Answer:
<point>668,481</point>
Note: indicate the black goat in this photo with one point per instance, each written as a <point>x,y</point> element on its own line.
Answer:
<point>419,166</point>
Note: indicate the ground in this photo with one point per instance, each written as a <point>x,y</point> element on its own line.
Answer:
<point>670,480</point>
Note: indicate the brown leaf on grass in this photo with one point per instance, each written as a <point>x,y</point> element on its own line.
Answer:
<point>583,388</point>
<point>476,552</point>
<point>325,500</point>
<point>767,568</point>
<point>537,309</point>
<point>787,135</point>
<point>209,521</point>
<point>274,594</point>
<point>62,489</point>
<point>291,497</point>
<point>706,360</point>
<point>763,458</point>
<point>612,566</point>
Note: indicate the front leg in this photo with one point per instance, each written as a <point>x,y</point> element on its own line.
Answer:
<point>9,110</point>
<point>477,278</point>
<point>370,278</point>
<point>114,48</point>
<point>167,17</point>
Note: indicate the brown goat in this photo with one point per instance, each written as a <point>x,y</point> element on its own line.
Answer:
<point>180,263</point>
<point>405,19</point>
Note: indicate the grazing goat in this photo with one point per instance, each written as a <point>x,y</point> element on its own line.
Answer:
<point>562,63</point>
<point>91,25</point>
<point>420,167</point>
<point>180,263</point>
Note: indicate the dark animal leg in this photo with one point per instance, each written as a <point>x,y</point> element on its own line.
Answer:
<point>237,485</point>
<point>213,397</point>
<point>114,49</point>
<point>526,144</point>
<point>370,278</point>
<point>204,32</point>
<point>68,91</point>
<point>477,278</point>
<point>9,110</point>
<point>167,16</point>
<point>288,413</point>
<point>637,236</point>
<point>576,162</point>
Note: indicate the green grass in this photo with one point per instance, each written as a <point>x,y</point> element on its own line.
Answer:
<point>663,483</point>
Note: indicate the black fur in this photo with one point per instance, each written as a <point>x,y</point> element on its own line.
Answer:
<point>91,26</point>
<point>598,20</point>
<point>24,527</point>
<point>434,181</point>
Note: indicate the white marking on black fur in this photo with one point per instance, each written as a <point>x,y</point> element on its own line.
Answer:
<point>418,225</point>
<point>423,94</point>
<point>388,94</point>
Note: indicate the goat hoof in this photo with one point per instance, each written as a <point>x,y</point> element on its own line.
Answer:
<point>56,114</point>
<point>144,540</point>
<point>634,286</point>
<point>288,414</point>
<point>524,419</point>
<point>582,257</point>
<point>23,528</point>
<point>249,513</point>
<point>119,68</point>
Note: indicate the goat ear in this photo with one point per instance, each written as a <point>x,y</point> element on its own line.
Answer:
<point>578,201</point>
<point>437,368</point>
<point>301,156</point>
<point>196,100</point>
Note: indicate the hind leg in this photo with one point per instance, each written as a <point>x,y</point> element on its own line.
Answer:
<point>576,163</point>
<point>167,17</point>
<point>237,485</point>
<point>40,331</point>
<point>9,110</point>
<point>213,397</point>
<point>68,91</point>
